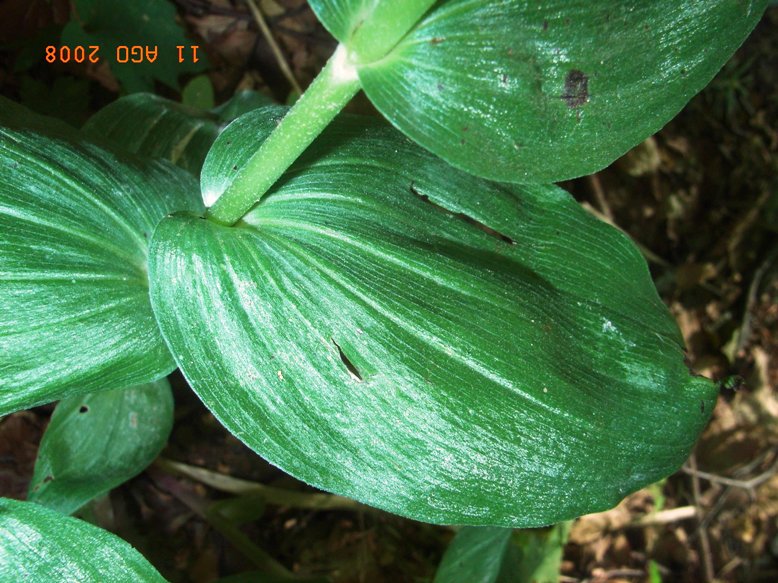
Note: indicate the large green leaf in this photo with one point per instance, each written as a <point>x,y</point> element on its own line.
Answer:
<point>153,126</point>
<point>390,329</point>
<point>41,545</point>
<point>96,442</point>
<point>149,25</point>
<point>74,223</point>
<point>544,91</point>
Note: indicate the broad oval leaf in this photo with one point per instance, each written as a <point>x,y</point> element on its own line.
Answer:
<point>146,124</point>
<point>98,441</point>
<point>544,91</point>
<point>41,545</point>
<point>457,351</point>
<point>74,223</point>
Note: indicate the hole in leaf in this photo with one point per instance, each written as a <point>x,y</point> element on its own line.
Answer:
<point>469,220</point>
<point>345,360</point>
<point>576,89</point>
<point>83,409</point>
<point>47,479</point>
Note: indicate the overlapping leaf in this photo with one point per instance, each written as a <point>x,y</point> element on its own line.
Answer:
<point>500,555</point>
<point>479,555</point>
<point>42,545</point>
<point>74,223</point>
<point>390,329</point>
<point>543,91</point>
<point>156,127</point>
<point>96,442</point>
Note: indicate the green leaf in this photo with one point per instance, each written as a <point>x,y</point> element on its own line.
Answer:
<point>146,124</point>
<point>98,441</point>
<point>156,127</point>
<point>109,24</point>
<point>544,91</point>
<point>499,555</point>
<point>540,552</point>
<point>198,93</point>
<point>240,103</point>
<point>66,99</point>
<point>41,545</point>
<point>453,350</point>
<point>74,222</point>
<point>478,555</point>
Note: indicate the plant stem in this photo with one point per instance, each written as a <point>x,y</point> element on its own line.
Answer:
<point>271,495</point>
<point>386,25</point>
<point>327,95</point>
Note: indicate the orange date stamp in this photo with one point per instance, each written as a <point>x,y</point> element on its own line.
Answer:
<point>122,54</point>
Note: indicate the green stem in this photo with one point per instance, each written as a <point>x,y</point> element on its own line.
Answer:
<point>386,25</point>
<point>325,97</point>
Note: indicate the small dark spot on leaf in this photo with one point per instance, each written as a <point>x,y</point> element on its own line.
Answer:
<point>436,40</point>
<point>684,71</point>
<point>469,220</point>
<point>345,360</point>
<point>48,479</point>
<point>466,128</point>
<point>235,167</point>
<point>504,80</point>
<point>545,25</point>
<point>440,86</point>
<point>83,409</point>
<point>576,89</point>
<point>462,141</point>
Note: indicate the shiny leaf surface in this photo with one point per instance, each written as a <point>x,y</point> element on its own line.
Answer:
<point>544,91</point>
<point>98,441</point>
<point>41,545</point>
<point>74,223</point>
<point>156,127</point>
<point>457,351</point>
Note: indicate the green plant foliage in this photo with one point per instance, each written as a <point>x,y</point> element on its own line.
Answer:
<point>74,222</point>
<point>539,553</point>
<point>146,124</point>
<point>457,351</point>
<point>480,554</point>
<point>67,98</point>
<point>542,91</point>
<point>41,545</point>
<point>109,24</point>
<point>500,555</point>
<point>198,93</point>
<point>98,441</point>
<point>156,127</point>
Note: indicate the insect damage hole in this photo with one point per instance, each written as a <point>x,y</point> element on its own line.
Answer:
<point>352,370</point>
<point>463,217</point>
<point>83,409</point>
<point>576,89</point>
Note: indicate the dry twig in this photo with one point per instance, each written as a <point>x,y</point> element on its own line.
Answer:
<point>277,53</point>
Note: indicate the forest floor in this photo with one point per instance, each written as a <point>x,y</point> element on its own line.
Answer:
<point>701,199</point>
